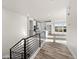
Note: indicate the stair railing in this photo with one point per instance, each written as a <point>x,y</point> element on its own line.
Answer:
<point>25,47</point>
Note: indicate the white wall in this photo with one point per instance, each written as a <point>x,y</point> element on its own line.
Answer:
<point>14,27</point>
<point>72,27</point>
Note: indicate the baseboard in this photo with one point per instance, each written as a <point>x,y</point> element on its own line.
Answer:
<point>72,52</point>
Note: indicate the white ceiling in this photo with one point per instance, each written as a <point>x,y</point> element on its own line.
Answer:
<point>37,8</point>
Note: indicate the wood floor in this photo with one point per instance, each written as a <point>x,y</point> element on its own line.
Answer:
<point>54,51</point>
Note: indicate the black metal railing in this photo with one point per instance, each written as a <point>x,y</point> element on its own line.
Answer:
<point>25,48</point>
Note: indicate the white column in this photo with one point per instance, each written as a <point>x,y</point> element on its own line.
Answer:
<point>53,29</point>
<point>53,26</point>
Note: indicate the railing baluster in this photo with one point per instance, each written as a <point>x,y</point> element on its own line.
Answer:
<point>39,40</point>
<point>24,49</point>
<point>10,54</point>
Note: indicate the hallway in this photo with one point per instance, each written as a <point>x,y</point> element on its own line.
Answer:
<point>28,24</point>
<point>54,51</point>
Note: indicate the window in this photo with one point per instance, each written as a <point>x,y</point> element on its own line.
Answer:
<point>60,28</point>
